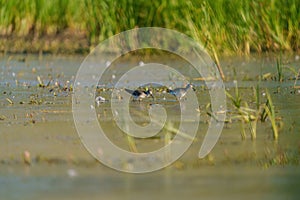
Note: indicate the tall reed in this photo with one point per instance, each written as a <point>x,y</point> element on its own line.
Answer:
<point>225,26</point>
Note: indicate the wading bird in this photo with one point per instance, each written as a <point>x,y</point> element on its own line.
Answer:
<point>138,95</point>
<point>181,92</point>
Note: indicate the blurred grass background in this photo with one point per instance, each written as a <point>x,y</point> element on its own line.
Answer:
<point>225,26</point>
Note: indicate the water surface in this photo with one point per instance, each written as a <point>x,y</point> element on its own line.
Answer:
<point>39,120</point>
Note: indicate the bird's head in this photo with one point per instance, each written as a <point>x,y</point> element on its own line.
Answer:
<point>190,86</point>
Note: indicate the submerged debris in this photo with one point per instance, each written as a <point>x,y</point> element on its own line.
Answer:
<point>100,100</point>
<point>72,173</point>
<point>9,101</point>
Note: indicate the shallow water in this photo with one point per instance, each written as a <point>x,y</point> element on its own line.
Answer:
<point>40,121</point>
<point>50,182</point>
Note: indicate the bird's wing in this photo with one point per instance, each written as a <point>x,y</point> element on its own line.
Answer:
<point>177,90</point>
<point>136,93</point>
<point>133,92</point>
<point>173,92</point>
<point>129,91</point>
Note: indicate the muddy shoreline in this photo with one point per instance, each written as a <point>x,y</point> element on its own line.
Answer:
<point>65,42</point>
<point>71,41</point>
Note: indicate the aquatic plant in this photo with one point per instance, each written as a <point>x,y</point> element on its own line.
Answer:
<point>236,100</point>
<point>256,94</point>
<point>250,116</point>
<point>269,112</point>
<point>279,69</point>
<point>243,113</point>
<point>131,144</point>
<point>283,72</point>
<point>296,79</point>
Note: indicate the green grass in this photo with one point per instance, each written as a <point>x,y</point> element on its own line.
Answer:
<point>224,26</point>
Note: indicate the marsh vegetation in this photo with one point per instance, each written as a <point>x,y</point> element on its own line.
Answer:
<point>224,27</point>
